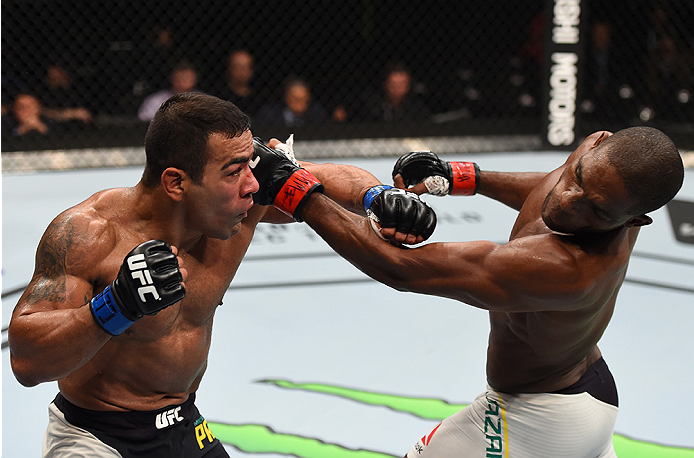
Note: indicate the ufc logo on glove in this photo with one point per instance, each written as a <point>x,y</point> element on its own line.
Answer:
<point>139,271</point>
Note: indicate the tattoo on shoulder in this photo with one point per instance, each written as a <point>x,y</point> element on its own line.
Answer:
<point>49,279</point>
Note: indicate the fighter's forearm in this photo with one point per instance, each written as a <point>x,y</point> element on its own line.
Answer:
<point>345,184</point>
<point>352,238</point>
<point>509,188</point>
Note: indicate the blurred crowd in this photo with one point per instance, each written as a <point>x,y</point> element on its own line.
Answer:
<point>57,103</point>
<point>612,89</point>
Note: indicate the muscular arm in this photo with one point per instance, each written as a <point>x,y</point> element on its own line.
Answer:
<point>483,274</point>
<point>52,332</point>
<point>509,188</point>
<point>512,188</point>
<point>344,184</point>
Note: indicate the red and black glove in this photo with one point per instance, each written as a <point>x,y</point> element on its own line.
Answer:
<point>283,182</point>
<point>440,177</point>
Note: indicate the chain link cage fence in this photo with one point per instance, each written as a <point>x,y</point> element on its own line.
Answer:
<point>475,72</point>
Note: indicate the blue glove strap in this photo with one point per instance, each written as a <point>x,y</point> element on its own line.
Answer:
<point>107,314</point>
<point>372,193</point>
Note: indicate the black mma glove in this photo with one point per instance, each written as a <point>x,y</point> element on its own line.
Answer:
<point>440,177</point>
<point>149,280</point>
<point>283,183</point>
<point>403,210</point>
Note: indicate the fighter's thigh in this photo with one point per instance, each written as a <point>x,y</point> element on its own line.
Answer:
<point>452,437</point>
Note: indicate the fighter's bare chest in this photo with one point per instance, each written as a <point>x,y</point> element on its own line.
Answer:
<point>207,278</point>
<point>192,315</point>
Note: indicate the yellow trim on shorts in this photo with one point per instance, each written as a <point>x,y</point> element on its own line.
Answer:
<point>503,418</point>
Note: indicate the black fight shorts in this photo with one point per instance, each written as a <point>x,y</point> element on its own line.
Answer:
<point>172,432</point>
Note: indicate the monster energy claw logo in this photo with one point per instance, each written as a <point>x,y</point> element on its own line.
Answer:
<point>255,438</point>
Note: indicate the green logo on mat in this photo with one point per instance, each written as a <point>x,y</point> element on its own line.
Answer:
<point>253,438</point>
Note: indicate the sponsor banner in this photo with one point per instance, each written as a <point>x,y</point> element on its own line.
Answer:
<point>564,44</point>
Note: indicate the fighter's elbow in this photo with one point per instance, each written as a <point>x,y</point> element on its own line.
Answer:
<point>397,287</point>
<point>26,382</point>
<point>29,371</point>
<point>24,372</point>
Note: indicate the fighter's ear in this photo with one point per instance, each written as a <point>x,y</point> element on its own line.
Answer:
<point>638,221</point>
<point>603,136</point>
<point>174,181</point>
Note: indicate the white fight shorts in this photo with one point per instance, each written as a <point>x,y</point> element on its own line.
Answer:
<point>527,425</point>
<point>64,440</point>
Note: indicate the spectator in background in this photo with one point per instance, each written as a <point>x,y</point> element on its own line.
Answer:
<point>148,67</point>
<point>6,119</point>
<point>660,25</point>
<point>531,51</point>
<point>297,109</point>
<point>238,88</point>
<point>668,75</point>
<point>603,78</point>
<point>10,86</point>
<point>61,100</point>
<point>397,102</point>
<point>27,117</point>
<point>184,78</point>
<point>599,68</point>
<point>340,113</point>
<point>161,54</point>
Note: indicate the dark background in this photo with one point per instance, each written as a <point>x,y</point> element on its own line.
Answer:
<point>473,62</point>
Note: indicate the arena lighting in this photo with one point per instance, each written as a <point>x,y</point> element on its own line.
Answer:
<point>646,114</point>
<point>626,91</point>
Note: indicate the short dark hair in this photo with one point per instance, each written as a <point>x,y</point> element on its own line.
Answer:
<point>649,164</point>
<point>183,65</point>
<point>396,66</point>
<point>178,134</point>
<point>293,81</point>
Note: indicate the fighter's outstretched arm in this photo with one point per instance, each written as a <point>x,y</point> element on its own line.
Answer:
<point>531,275</point>
<point>287,184</point>
<point>424,171</point>
<point>345,184</point>
<point>509,188</point>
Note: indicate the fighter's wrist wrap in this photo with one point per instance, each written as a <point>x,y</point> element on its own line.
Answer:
<point>108,314</point>
<point>372,193</point>
<point>291,197</point>
<point>464,178</point>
